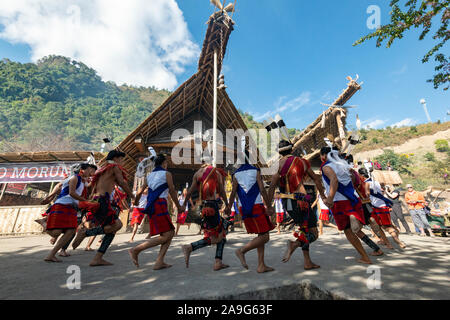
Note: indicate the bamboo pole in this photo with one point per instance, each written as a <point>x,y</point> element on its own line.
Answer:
<point>215,111</point>
<point>3,191</point>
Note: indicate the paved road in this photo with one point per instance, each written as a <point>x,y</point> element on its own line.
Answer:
<point>419,272</point>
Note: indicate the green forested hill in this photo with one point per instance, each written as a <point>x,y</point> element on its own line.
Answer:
<point>61,104</point>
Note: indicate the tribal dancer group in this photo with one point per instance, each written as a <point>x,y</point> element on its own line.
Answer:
<point>88,203</point>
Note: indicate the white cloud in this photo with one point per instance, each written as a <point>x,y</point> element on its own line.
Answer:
<point>291,105</point>
<point>138,42</point>
<point>400,71</point>
<point>373,124</point>
<point>405,123</point>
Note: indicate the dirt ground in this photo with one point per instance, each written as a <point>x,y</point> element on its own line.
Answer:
<point>419,272</point>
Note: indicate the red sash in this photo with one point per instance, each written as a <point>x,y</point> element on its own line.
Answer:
<point>208,182</point>
<point>293,172</point>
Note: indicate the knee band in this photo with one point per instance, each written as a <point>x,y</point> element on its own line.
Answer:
<point>106,242</point>
<point>219,249</point>
<point>200,244</point>
<point>370,243</point>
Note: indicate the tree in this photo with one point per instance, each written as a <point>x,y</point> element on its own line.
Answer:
<point>419,16</point>
<point>400,163</point>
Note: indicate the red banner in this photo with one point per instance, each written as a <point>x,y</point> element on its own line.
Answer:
<point>34,172</point>
<point>16,188</point>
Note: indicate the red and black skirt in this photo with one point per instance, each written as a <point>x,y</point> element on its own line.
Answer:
<point>160,221</point>
<point>61,216</point>
<point>259,222</point>
<point>382,216</point>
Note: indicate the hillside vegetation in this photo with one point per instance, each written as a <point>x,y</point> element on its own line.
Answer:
<point>62,104</point>
<point>389,137</point>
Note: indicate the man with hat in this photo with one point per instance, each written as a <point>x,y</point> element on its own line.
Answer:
<point>416,204</point>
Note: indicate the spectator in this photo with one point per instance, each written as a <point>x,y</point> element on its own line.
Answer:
<point>397,211</point>
<point>416,205</point>
<point>388,167</point>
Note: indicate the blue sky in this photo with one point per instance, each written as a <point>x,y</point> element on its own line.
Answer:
<point>290,55</point>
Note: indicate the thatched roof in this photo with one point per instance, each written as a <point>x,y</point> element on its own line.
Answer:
<point>47,156</point>
<point>387,177</point>
<point>193,100</point>
<point>312,138</point>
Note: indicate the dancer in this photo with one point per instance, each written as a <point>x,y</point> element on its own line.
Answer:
<point>138,214</point>
<point>181,216</point>
<point>104,216</point>
<point>381,207</point>
<point>342,199</point>
<point>210,183</point>
<point>160,185</point>
<point>296,202</point>
<point>62,217</point>
<point>279,211</point>
<point>324,216</point>
<point>248,185</point>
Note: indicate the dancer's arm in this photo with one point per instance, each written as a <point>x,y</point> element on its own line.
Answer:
<point>56,190</point>
<point>121,182</point>
<point>73,188</point>
<point>264,194</point>
<point>273,184</point>
<point>329,201</point>
<point>139,193</point>
<point>317,181</point>
<point>223,194</point>
<point>172,192</point>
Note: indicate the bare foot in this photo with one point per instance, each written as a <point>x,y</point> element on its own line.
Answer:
<point>63,254</point>
<point>79,238</point>
<point>289,251</point>
<point>187,249</point>
<point>161,266</point>
<point>241,257</point>
<point>382,243</point>
<point>377,253</point>
<point>53,240</point>
<point>130,241</point>
<point>52,259</point>
<point>402,245</point>
<point>88,249</point>
<point>264,269</point>
<point>134,257</point>
<point>311,266</point>
<point>389,246</point>
<point>364,261</point>
<point>100,263</point>
<point>220,266</point>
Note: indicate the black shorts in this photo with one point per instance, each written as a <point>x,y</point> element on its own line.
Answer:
<point>301,214</point>
<point>211,222</point>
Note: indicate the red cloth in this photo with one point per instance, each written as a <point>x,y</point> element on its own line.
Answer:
<point>208,183</point>
<point>260,223</point>
<point>293,172</point>
<point>181,217</point>
<point>342,210</point>
<point>110,217</point>
<point>160,221</point>
<point>280,217</point>
<point>324,215</point>
<point>62,217</point>
<point>382,216</point>
<point>137,216</point>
